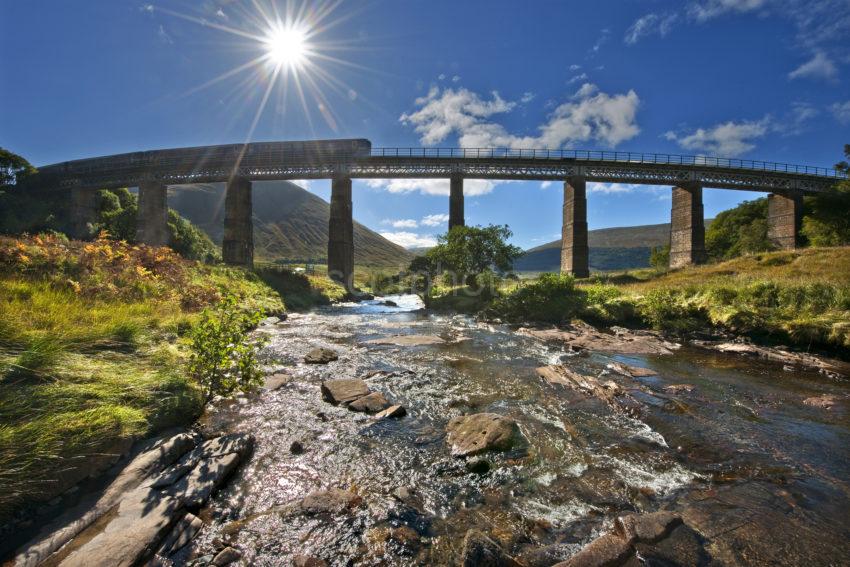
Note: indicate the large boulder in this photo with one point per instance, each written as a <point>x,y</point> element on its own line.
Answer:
<point>480,432</point>
<point>370,403</point>
<point>320,356</point>
<point>343,391</point>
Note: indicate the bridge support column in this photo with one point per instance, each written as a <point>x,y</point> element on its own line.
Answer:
<point>341,233</point>
<point>687,226</point>
<point>152,218</point>
<point>238,245</point>
<point>574,249</point>
<point>83,212</point>
<point>456,202</point>
<point>784,219</point>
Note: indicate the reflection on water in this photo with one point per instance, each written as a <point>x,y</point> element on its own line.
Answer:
<point>740,433</point>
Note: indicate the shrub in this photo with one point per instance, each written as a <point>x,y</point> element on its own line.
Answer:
<point>551,299</point>
<point>223,356</point>
<point>667,309</point>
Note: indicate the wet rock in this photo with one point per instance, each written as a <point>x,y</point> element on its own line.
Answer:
<point>320,356</point>
<point>227,556</point>
<point>604,551</point>
<point>196,487</point>
<point>683,546</point>
<point>296,448</point>
<point>405,539</point>
<point>389,303</point>
<point>826,401</point>
<point>308,561</point>
<point>585,337</point>
<point>344,390</point>
<point>270,321</point>
<point>478,465</point>
<point>480,432</point>
<point>407,340</point>
<point>830,367</point>
<point>182,533</point>
<point>630,371</point>
<point>332,501</point>
<point>404,493</point>
<point>609,392</point>
<point>481,551</point>
<point>646,528</point>
<point>392,411</point>
<point>680,388</point>
<point>370,403</point>
<point>276,381</point>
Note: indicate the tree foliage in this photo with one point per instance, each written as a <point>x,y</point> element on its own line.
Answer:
<point>468,251</point>
<point>13,167</point>
<point>659,257</point>
<point>740,230</point>
<point>827,220</point>
<point>223,355</point>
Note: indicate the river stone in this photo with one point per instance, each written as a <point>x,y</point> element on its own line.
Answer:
<point>276,381</point>
<point>630,371</point>
<point>344,390</point>
<point>331,501</point>
<point>194,489</point>
<point>826,401</point>
<point>481,551</point>
<point>683,546</point>
<point>321,356</point>
<point>479,432</point>
<point>604,551</point>
<point>370,403</point>
<point>407,340</point>
<point>308,561</point>
<point>392,411</point>
<point>646,528</point>
<point>226,556</point>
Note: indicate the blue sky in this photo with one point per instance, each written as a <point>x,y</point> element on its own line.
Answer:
<point>761,79</point>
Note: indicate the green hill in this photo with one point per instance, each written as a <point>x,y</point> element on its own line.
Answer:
<point>621,248</point>
<point>290,224</point>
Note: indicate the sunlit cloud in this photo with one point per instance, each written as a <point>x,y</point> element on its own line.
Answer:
<point>410,239</point>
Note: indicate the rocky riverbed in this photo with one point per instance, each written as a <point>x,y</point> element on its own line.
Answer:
<point>387,435</point>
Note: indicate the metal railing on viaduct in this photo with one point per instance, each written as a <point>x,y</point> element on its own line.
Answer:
<point>341,160</point>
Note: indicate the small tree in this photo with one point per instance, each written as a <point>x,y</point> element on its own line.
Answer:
<point>223,357</point>
<point>827,220</point>
<point>470,250</point>
<point>659,257</point>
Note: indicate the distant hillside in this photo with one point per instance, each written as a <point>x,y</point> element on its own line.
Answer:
<point>622,248</point>
<point>290,223</point>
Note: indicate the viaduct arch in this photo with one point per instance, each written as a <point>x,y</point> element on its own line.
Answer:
<point>238,165</point>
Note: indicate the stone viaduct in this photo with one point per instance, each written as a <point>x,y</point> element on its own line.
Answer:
<point>238,165</point>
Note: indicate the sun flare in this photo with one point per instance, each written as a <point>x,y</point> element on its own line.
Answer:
<point>287,47</point>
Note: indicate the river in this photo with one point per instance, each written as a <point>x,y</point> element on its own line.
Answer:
<point>762,476</point>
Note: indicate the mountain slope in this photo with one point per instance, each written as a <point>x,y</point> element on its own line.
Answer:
<point>621,248</point>
<point>290,223</point>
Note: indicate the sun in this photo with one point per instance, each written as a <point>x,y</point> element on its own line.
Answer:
<point>287,47</point>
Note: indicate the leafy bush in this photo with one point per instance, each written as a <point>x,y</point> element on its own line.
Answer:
<point>552,298</point>
<point>668,309</point>
<point>223,355</point>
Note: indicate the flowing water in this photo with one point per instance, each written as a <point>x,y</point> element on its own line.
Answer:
<point>763,476</point>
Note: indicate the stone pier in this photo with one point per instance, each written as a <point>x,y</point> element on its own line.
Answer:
<point>83,212</point>
<point>456,202</point>
<point>574,249</point>
<point>687,226</point>
<point>784,219</point>
<point>152,219</point>
<point>341,233</point>
<point>238,245</point>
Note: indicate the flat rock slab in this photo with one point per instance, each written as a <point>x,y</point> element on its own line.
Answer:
<point>630,371</point>
<point>480,432</point>
<point>321,356</point>
<point>370,403</point>
<point>344,390</point>
<point>276,381</point>
<point>585,337</point>
<point>407,340</point>
<point>392,411</point>
<point>647,528</point>
<point>830,367</point>
<point>604,551</point>
<point>331,501</point>
<point>609,392</point>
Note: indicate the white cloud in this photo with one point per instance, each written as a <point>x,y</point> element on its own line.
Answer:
<point>163,35</point>
<point>709,9</point>
<point>729,139</point>
<point>352,94</point>
<point>471,187</point>
<point>650,24</point>
<point>527,97</point>
<point>410,239</point>
<point>820,66</point>
<point>401,223</point>
<point>575,67</point>
<point>603,37</point>
<point>147,8</point>
<point>577,78</point>
<point>546,184</point>
<point>590,115</point>
<point>220,13</point>
<point>303,183</point>
<point>435,220</point>
<point>611,188</point>
<point>441,76</point>
<point>841,111</point>
<point>456,78</point>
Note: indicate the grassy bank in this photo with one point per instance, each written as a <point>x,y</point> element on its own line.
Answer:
<point>92,352</point>
<point>800,298</point>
